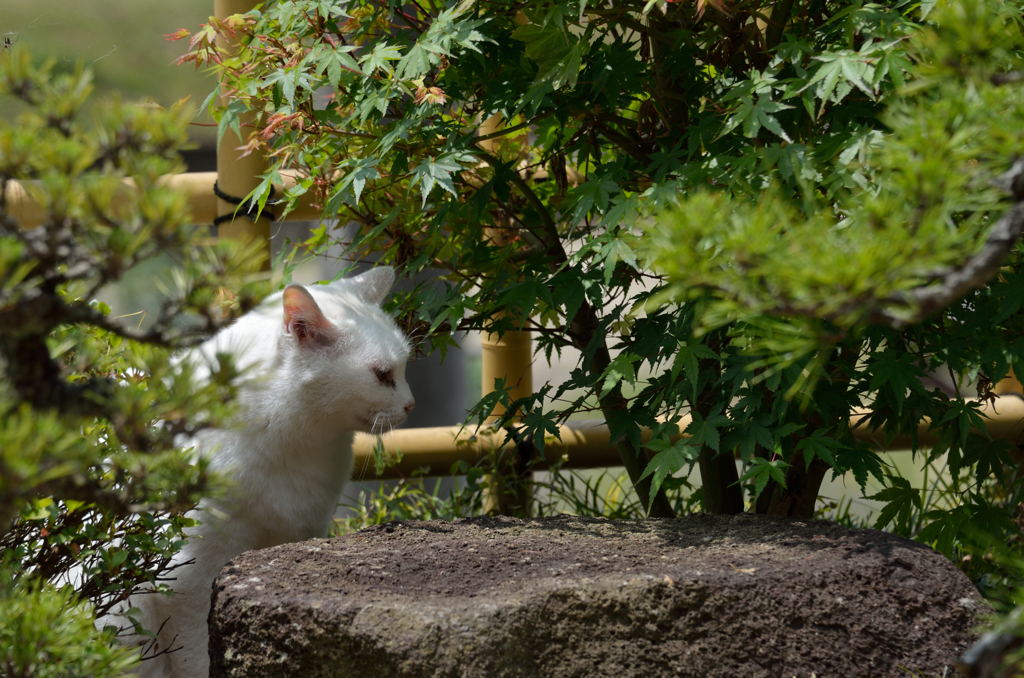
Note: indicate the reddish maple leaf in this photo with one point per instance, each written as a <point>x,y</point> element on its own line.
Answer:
<point>179,34</point>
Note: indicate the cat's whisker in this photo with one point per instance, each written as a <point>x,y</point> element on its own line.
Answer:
<point>363,471</point>
<point>380,422</point>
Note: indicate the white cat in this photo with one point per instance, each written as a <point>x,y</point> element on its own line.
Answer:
<point>321,363</point>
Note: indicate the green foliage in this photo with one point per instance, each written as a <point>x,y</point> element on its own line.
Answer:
<point>415,499</point>
<point>854,258</point>
<point>93,481</point>
<point>599,494</point>
<point>799,277</point>
<point>51,633</point>
<point>747,213</point>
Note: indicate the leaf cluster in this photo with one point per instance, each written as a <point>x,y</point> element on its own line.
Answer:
<point>50,633</point>
<point>941,179</point>
<point>711,204</point>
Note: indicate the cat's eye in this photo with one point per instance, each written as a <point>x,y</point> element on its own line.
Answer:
<point>385,376</point>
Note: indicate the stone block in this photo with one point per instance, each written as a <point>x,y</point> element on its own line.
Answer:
<point>701,596</point>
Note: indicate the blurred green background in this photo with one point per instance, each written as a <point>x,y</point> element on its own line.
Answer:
<point>122,41</point>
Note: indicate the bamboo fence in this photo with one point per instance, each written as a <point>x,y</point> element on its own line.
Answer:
<point>433,451</point>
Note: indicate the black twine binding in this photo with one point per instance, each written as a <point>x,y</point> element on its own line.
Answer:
<point>251,208</point>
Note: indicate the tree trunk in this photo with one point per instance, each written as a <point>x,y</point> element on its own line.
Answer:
<point>720,482</point>
<point>798,498</point>
<point>615,408</point>
<point>719,479</point>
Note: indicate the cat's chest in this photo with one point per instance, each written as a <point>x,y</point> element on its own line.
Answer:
<point>292,493</point>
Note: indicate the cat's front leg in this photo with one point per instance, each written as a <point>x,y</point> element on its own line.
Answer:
<point>183,614</point>
<point>186,626</point>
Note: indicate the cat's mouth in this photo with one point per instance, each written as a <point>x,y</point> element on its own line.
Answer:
<point>380,423</point>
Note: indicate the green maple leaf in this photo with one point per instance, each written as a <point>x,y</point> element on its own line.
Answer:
<point>619,371</point>
<point>593,194</point>
<point>433,172</point>
<point>667,461</point>
<point>898,373</point>
<point>704,431</point>
<point>379,58</point>
<point>557,53</point>
<point>753,114</point>
<point>818,445</point>
<point>365,170</point>
<point>762,470</point>
<point>335,62</point>
<point>901,503</point>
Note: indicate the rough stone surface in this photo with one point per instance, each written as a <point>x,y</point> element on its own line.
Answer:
<point>697,596</point>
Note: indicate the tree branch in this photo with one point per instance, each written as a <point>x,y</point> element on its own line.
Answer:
<point>777,23</point>
<point>975,272</point>
<point>583,329</point>
<point>161,334</point>
<point>37,379</point>
<point>505,131</point>
<point>1007,78</point>
<point>615,407</point>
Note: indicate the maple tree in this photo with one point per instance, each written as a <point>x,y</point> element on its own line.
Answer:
<point>721,205</point>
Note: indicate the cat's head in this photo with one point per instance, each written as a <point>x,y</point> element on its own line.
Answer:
<point>346,354</point>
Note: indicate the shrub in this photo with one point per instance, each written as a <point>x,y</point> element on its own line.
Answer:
<point>93,485</point>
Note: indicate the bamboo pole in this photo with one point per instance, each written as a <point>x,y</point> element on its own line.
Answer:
<point>434,450</point>
<point>197,187</point>
<point>509,358</point>
<point>1004,420</point>
<point>237,173</point>
<point>588,444</point>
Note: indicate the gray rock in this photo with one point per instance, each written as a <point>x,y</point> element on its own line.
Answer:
<point>698,596</point>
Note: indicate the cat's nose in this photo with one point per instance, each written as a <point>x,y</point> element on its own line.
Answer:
<point>409,406</point>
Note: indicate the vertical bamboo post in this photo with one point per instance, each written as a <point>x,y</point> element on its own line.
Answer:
<point>508,357</point>
<point>237,174</point>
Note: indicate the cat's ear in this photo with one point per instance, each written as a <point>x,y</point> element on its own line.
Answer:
<point>374,284</point>
<point>303,318</point>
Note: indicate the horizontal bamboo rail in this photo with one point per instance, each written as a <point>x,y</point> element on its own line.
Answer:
<point>432,451</point>
<point>196,186</point>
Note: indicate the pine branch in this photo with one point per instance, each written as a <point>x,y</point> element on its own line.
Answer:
<point>37,379</point>
<point>975,271</point>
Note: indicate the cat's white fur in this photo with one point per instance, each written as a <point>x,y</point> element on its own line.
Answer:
<point>319,363</point>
